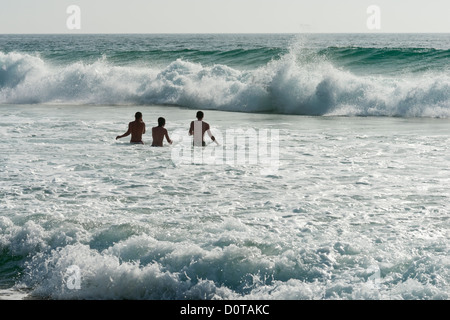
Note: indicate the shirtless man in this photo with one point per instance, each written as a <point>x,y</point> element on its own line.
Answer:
<point>159,132</point>
<point>202,127</point>
<point>136,128</point>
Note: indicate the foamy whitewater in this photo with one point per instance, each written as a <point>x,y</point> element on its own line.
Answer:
<point>354,203</point>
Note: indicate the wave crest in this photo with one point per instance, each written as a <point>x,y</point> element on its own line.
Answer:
<point>294,84</point>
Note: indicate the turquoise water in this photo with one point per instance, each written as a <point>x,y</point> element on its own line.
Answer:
<point>366,75</point>
<point>354,207</point>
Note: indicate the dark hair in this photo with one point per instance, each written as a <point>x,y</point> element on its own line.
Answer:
<point>138,115</point>
<point>200,115</point>
<point>161,121</point>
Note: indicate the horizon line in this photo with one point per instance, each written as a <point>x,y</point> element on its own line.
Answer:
<point>218,33</point>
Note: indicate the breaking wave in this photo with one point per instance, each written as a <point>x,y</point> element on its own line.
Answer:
<point>296,82</point>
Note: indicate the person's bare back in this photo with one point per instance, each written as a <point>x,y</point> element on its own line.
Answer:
<point>159,132</point>
<point>136,129</point>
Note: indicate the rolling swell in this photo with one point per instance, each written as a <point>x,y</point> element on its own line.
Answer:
<point>389,60</point>
<point>348,81</point>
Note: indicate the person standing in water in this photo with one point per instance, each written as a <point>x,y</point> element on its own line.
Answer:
<point>198,128</point>
<point>136,128</point>
<point>159,132</point>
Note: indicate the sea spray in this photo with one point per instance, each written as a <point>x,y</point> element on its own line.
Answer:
<point>357,208</point>
<point>302,81</point>
<point>351,197</point>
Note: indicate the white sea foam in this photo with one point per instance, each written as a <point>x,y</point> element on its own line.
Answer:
<point>357,209</point>
<point>293,84</point>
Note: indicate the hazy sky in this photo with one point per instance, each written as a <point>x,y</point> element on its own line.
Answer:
<point>223,16</point>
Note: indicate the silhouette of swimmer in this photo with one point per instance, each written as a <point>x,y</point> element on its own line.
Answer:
<point>159,132</point>
<point>198,128</point>
<point>136,128</point>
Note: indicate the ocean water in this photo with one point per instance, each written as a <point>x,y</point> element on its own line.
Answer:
<point>348,201</point>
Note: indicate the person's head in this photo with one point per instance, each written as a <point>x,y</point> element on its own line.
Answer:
<point>200,115</point>
<point>138,116</point>
<point>161,122</point>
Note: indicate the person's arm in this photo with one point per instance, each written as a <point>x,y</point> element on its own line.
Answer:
<point>191,129</point>
<point>143,132</point>
<point>167,137</point>
<point>208,131</point>
<point>126,133</point>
